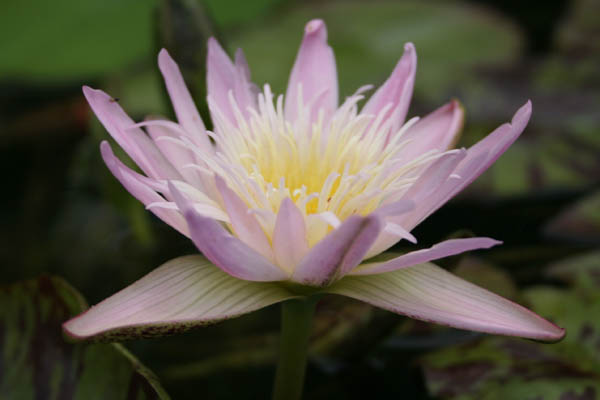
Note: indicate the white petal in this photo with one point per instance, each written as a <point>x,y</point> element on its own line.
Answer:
<point>431,294</point>
<point>181,294</point>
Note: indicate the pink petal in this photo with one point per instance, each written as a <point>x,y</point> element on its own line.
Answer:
<point>224,250</point>
<point>177,155</point>
<point>429,293</point>
<point>244,224</point>
<point>133,140</point>
<point>437,131</point>
<point>183,104</point>
<point>443,249</point>
<point>479,158</point>
<point>224,77</point>
<point>315,70</point>
<point>181,294</point>
<point>397,90</point>
<point>395,208</point>
<point>339,252</point>
<point>246,92</point>
<point>495,144</point>
<point>422,193</point>
<point>137,186</point>
<point>289,236</point>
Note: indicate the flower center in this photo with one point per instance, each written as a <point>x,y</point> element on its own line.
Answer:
<point>331,167</point>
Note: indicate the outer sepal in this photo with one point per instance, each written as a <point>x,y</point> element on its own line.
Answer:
<point>182,294</point>
<point>430,293</point>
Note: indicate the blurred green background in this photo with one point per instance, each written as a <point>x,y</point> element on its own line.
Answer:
<point>63,214</point>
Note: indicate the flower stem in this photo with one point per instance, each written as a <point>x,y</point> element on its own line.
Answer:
<point>296,319</point>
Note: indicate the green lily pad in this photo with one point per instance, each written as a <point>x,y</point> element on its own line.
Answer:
<point>229,14</point>
<point>559,149</point>
<point>581,271</point>
<point>70,39</point>
<point>509,368</point>
<point>40,364</point>
<point>560,157</point>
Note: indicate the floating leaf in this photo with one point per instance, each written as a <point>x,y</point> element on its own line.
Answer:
<point>581,271</point>
<point>37,363</point>
<point>75,39</point>
<point>181,294</point>
<point>502,368</point>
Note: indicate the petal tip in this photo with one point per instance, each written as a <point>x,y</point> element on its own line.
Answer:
<point>549,333</point>
<point>87,89</point>
<point>455,104</point>
<point>315,26</point>
<point>69,332</point>
<point>212,44</point>
<point>105,146</point>
<point>164,57</point>
<point>558,334</point>
<point>286,202</point>
<point>487,243</point>
<point>163,53</point>
<point>410,54</point>
<point>522,116</point>
<point>90,93</point>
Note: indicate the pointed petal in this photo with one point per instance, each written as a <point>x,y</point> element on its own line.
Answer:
<point>289,236</point>
<point>399,232</point>
<point>479,158</point>
<point>422,193</point>
<point>431,294</point>
<point>443,249</point>
<point>397,90</point>
<point>395,208</point>
<point>436,131</point>
<point>136,185</point>
<point>178,155</point>
<point>245,225</point>
<point>183,104</point>
<point>133,140</point>
<point>181,294</point>
<point>339,252</point>
<point>494,144</point>
<point>426,190</point>
<point>314,70</point>
<point>222,77</point>
<point>224,250</point>
<point>434,176</point>
<point>246,92</point>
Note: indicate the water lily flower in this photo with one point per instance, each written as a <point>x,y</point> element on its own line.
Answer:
<point>290,196</point>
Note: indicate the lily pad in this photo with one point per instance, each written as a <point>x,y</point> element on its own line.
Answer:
<point>508,368</point>
<point>581,271</point>
<point>37,363</point>
<point>70,39</point>
<point>559,149</point>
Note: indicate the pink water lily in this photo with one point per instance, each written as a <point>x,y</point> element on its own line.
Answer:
<point>294,195</point>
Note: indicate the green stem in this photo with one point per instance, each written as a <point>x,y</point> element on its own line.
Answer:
<point>296,319</point>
